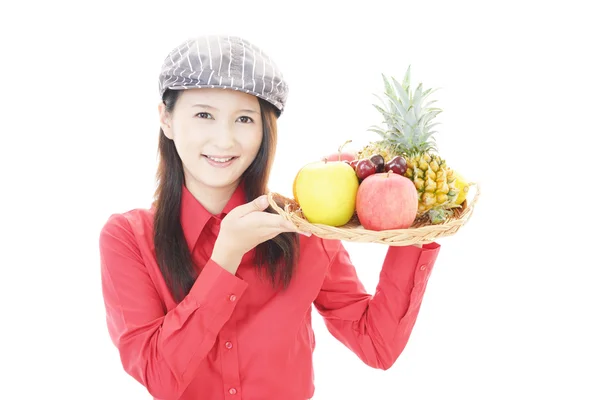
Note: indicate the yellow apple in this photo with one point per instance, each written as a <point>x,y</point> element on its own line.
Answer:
<point>326,192</point>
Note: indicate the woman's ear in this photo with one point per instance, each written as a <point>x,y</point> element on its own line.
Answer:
<point>165,120</point>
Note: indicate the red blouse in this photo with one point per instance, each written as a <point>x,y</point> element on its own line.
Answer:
<point>234,336</point>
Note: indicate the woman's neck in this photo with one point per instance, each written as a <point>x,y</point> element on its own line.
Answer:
<point>212,199</point>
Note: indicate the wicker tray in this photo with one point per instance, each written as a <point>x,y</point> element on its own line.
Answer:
<point>421,232</point>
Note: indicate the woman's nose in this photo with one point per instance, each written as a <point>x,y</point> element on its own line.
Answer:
<point>225,136</point>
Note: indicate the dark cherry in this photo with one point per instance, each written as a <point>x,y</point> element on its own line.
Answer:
<point>397,165</point>
<point>365,168</point>
<point>379,162</point>
<point>353,163</point>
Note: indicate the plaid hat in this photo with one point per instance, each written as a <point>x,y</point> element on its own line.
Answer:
<point>228,62</point>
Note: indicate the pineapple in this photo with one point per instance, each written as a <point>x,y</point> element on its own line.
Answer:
<point>409,134</point>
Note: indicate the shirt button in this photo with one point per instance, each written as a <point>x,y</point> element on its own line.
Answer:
<point>232,298</point>
<point>232,391</point>
<point>229,345</point>
<point>423,267</point>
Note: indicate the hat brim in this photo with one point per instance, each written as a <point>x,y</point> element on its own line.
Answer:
<point>276,103</point>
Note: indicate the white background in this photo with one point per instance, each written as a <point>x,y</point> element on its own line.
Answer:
<point>511,310</point>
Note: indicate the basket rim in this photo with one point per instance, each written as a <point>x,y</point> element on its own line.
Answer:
<point>411,235</point>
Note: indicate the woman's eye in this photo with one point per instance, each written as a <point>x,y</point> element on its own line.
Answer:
<point>246,120</point>
<point>204,115</point>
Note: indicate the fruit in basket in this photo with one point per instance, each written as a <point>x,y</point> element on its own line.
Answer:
<point>462,187</point>
<point>365,168</point>
<point>326,192</point>
<point>397,165</point>
<point>386,201</point>
<point>379,162</point>
<point>294,188</point>
<point>408,132</point>
<point>342,155</point>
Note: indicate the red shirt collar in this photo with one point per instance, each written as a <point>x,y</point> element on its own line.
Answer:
<point>194,216</point>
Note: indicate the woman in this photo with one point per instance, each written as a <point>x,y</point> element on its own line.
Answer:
<point>208,293</point>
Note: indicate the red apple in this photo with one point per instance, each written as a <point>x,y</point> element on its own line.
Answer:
<point>386,201</point>
<point>342,155</point>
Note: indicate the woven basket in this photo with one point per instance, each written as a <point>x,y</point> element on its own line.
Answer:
<point>421,232</point>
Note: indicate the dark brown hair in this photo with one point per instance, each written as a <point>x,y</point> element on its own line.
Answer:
<point>277,257</point>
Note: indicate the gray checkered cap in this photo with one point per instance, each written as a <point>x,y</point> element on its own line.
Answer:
<point>228,62</point>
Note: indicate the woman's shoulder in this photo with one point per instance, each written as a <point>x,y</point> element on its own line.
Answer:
<point>137,222</point>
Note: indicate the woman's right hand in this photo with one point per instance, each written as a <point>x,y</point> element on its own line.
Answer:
<point>244,228</point>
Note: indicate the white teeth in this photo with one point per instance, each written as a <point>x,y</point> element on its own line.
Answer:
<point>223,160</point>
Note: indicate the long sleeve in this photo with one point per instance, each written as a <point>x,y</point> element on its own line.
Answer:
<point>375,327</point>
<point>162,350</point>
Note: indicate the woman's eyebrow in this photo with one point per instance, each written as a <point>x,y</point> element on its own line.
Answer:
<point>204,106</point>
<point>247,110</point>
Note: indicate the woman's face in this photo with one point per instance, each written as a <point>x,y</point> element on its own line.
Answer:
<point>217,133</point>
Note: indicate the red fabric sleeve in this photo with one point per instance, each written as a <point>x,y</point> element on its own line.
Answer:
<point>160,350</point>
<point>375,327</point>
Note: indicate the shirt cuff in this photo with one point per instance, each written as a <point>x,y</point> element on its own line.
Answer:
<point>217,290</point>
<point>425,261</point>
<point>411,263</point>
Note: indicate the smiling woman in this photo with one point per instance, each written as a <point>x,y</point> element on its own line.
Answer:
<point>207,141</point>
<point>210,292</point>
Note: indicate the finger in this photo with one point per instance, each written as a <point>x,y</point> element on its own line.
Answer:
<point>281,224</point>
<point>276,231</point>
<point>271,235</point>
<point>271,221</point>
<point>272,224</point>
<point>258,204</point>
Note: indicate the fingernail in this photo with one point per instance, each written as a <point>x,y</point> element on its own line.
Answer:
<point>264,201</point>
<point>307,234</point>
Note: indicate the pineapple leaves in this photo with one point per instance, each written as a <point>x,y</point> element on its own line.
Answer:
<point>401,93</point>
<point>399,107</point>
<point>426,106</point>
<point>407,115</point>
<point>427,118</point>
<point>428,128</point>
<point>386,84</point>
<point>417,99</point>
<point>388,116</point>
<point>406,82</point>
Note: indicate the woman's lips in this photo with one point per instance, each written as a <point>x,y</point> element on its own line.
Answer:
<point>220,161</point>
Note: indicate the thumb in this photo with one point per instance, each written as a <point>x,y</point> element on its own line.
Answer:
<point>258,204</point>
